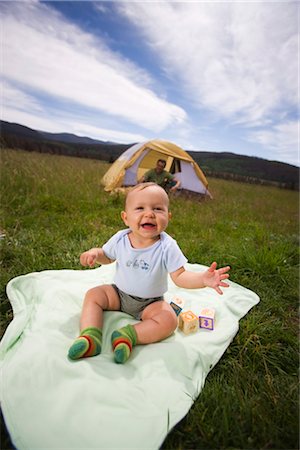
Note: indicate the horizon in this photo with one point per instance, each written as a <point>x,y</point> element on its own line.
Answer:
<point>133,143</point>
<point>218,77</point>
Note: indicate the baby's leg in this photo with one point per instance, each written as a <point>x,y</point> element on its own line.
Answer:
<point>96,301</point>
<point>158,322</point>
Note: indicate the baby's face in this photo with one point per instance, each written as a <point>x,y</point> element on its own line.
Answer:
<point>147,212</point>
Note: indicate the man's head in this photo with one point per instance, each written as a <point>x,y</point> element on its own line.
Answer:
<point>160,165</point>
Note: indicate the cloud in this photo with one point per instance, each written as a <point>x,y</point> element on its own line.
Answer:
<point>60,60</point>
<point>108,134</point>
<point>23,108</point>
<point>282,139</point>
<point>236,60</point>
<point>14,98</point>
<point>20,107</point>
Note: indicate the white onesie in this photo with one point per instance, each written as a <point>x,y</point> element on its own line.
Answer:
<point>142,272</point>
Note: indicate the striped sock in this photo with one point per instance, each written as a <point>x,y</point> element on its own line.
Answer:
<point>87,344</point>
<point>122,342</point>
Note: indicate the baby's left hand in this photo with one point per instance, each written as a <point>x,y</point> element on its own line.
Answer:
<point>214,277</point>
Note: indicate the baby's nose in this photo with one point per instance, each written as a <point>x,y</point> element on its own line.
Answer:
<point>149,213</point>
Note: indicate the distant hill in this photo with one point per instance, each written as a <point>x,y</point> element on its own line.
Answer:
<point>223,165</point>
<point>67,137</point>
<point>18,136</point>
<point>247,168</point>
<point>18,130</point>
<point>21,130</point>
<point>73,139</point>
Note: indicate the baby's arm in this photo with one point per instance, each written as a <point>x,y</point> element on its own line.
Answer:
<point>210,278</point>
<point>93,256</point>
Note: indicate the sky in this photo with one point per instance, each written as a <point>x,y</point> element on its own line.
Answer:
<point>218,76</point>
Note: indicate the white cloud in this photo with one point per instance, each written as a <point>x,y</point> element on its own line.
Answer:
<point>32,120</point>
<point>107,134</point>
<point>281,140</point>
<point>14,98</point>
<point>235,59</point>
<point>45,53</point>
<point>18,107</point>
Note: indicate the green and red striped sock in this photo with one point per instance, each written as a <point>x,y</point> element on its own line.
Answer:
<point>87,344</point>
<point>123,340</point>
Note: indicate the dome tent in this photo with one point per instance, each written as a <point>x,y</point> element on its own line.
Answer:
<point>136,160</point>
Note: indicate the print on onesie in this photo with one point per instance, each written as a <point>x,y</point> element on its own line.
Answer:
<point>138,264</point>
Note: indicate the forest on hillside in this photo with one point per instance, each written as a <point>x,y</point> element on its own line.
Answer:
<point>220,165</point>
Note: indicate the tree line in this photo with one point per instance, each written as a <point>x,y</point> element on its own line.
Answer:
<point>234,167</point>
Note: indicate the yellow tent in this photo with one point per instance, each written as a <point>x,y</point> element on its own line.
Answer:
<point>136,160</point>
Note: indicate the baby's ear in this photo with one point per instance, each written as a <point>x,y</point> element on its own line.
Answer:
<point>124,217</point>
<point>170,215</point>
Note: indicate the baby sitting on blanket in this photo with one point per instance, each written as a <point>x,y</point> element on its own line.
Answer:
<point>144,255</point>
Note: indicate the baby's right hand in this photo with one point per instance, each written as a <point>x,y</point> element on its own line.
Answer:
<point>89,258</point>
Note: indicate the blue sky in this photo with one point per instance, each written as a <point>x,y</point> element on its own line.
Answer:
<point>210,76</point>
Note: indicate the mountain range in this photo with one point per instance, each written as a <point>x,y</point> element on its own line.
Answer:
<point>217,164</point>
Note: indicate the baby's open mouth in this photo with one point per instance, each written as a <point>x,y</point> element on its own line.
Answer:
<point>148,226</point>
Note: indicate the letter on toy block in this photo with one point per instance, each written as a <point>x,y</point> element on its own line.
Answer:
<point>188,322</point>
<point>207,318</point>
<point>177,304</point>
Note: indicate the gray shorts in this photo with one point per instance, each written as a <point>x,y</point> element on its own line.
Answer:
<point>134,305</point>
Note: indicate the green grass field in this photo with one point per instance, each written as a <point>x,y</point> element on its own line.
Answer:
<point>53,208</point>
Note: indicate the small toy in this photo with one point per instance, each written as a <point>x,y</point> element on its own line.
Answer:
<point>188,322</point>
<point>177,304</point>
<point>207,318</point>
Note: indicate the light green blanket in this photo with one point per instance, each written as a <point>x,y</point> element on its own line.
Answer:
<point>50,402</point>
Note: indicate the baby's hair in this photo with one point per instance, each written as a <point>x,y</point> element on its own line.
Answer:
<point>142,186</point>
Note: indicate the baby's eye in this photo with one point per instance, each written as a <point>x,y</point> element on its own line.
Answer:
<point>139,208</point>
<point>158,208</point>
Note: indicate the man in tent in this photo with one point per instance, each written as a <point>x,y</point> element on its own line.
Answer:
<point>161,177</point>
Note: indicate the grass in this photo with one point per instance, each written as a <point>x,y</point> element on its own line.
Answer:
<point>53,208</point>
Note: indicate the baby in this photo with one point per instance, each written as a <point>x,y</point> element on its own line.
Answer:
<point>144,255</point>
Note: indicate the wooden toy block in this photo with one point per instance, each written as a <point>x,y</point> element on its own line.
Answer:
<point>177,304</point>
<point>188,322</point>
<point>207,318</point>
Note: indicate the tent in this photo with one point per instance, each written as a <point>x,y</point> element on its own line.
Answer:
<point>136,160</point>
